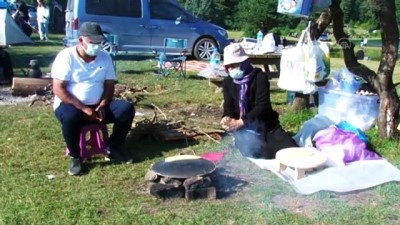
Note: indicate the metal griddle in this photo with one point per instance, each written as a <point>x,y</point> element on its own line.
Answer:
<point>183,166</point>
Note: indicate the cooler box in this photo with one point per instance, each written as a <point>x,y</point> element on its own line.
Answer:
<point>359,110</point>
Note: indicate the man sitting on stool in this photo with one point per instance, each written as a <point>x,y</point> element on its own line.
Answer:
<point>83,84</point>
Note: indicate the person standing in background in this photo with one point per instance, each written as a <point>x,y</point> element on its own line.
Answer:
<point>43,16</point>
<point>264,28</point>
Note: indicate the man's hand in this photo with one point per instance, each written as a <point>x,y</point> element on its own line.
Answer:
<point>91,114</point>
<point>101,113</point>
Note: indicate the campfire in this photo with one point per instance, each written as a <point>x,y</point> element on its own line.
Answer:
<point>183,176</point>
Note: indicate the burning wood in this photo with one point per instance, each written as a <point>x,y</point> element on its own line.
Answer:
<point>197,182</point>
<point>164,191</point>
<point>191,188</point>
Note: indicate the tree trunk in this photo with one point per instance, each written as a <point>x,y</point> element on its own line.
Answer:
<point>382,81</point>
<point>301,101</point>
<point>389,106</point>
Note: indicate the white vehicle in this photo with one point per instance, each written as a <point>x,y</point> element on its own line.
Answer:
<point>248,44</point>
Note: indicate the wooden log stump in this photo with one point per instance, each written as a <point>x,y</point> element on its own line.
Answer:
<point>25,86</point>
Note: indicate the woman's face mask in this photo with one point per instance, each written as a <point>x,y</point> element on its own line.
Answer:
<point>236,73</point>
<point>91,49</point>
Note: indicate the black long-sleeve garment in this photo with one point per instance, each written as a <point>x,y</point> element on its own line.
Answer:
<point>260,114</point>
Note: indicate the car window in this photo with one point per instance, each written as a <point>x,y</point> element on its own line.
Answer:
<point>125,8</point>
<point>167,11</point>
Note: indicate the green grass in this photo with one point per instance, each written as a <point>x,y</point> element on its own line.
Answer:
<point>31,147</point>
<point>235,34</point>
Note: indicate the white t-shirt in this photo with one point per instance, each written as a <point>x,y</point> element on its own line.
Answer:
<point>42,14</point>
<point>85,80</point>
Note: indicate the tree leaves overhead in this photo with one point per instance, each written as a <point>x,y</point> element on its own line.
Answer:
<point>360,11</point>
<point>251,13</point>
<point>220,12</point>
<point>247,15</point>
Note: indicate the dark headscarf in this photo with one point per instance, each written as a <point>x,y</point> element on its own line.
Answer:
<point>247,69</point>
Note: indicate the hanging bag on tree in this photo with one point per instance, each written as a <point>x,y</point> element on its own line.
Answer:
<point>294,7</point>
<point>317,59</point>
<point>294,68</point>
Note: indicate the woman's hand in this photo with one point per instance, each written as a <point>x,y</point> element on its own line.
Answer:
<point>225,119</point>
<point>230,124</point>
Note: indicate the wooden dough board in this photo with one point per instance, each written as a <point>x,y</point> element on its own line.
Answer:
<point>301,159</point>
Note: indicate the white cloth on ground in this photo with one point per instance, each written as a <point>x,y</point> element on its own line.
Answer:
<point>358,175</point>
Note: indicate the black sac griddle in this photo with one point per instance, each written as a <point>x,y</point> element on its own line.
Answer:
<point>183,166</point>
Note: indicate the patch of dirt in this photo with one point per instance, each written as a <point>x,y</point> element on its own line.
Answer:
<point>302,205</point>
<point>207,114</point>
<point>360,198</point>
<point>307,205</point>
<point>6,98</point>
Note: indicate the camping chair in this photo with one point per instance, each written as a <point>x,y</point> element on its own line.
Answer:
<point>110,45</point>
<point>169,64</point>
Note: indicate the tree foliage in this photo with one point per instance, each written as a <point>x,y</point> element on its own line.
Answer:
<point>251,13</point>
<point>359,11</point>
<point>220,12</point>
<point>247,15</point>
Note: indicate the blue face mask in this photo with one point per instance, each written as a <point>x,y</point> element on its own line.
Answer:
<point>92,49</point>
<point>236,73</point>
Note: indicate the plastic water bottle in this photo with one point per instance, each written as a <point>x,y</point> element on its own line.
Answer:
<point>260,36</point>
<point>215,59</point>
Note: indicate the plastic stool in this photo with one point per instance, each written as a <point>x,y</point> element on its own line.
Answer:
<point>93,140</point>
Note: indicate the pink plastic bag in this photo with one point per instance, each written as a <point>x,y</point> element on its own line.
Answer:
<point>342,146</point>
<point>214,156</point>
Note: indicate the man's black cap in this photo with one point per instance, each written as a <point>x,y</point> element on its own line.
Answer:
<point>91,30</point>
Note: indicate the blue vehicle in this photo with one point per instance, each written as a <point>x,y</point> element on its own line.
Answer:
<point>324,37</point>
<point>3,4</point>
<point>141,26</point>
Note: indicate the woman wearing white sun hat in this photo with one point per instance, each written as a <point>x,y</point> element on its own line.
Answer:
<point>247,109</point>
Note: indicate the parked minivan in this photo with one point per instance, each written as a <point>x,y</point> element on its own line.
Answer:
<point>141,26</point>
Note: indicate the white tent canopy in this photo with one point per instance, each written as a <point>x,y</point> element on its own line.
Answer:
<point>10,33</point>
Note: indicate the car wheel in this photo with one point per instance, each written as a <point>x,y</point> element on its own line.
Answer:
<point>204,48</point>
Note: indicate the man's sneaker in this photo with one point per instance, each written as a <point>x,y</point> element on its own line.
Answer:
<point>115,156</point>
<point>75,166</point>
